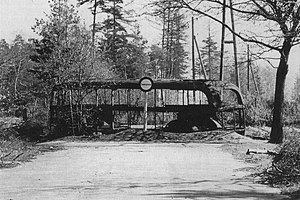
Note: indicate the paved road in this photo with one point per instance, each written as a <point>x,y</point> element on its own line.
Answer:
<point>132,171</point>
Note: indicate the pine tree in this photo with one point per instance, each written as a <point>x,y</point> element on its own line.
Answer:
<point>173,38</point>
<point>157,61</point>
<point>211,57</point>
<point>115,38</point>
<point>96,4</point>
<point>134,56</point>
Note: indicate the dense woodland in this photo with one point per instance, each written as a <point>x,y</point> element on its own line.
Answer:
<point>113,48</point>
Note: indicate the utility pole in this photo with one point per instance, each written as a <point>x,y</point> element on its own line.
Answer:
<point>193,50</point>
<point>237,73</point>
<point>254,80</point>
<point>248,68</point>
<point>209,53</point>
<point>94,23</point>
<point>222,40</point>
<point>193,57</point>
<point>200,60</point>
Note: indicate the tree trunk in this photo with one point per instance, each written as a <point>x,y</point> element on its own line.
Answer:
<point>277,123</point>
<point>17,72</point>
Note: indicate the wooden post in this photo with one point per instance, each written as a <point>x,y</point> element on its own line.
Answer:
<point>237,73</point>
<point>71,113</point>
<point>254,81</point>
<point>222,39</point>
<point>248,68</point>
<point>94,13</point>
<point>209,54</point>
<point>155,108</point>
<point>112,110</point>
<point>200,59</point>
<point>183,97</point>
<point>193,53</point>
<point>163,105</point>
<point>234,120</point>
<point>128,112</point>
<point>240,118</point>
<point>97,98</point>
<point>193,50</point>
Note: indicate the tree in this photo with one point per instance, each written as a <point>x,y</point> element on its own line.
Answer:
<point>115,40</point>
<point>16,81</point>
<point>133,57</point>
<point>211,56</point>
<point>5,57</point>
<point>178,53</point>
<point>65,51</point>
<point>96,4</point>
<point>280,20</point>
<point>117,45</point>
<point>173,38</point>
<point>157,59</point>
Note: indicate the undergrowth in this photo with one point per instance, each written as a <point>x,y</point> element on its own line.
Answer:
<point>18,142</point>
<point>12,147</point>
<point>284,171</point>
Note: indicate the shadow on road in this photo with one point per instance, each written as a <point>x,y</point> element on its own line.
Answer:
<point>228,194</point>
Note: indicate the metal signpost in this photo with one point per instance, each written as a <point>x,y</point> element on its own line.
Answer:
<point>146,85</point>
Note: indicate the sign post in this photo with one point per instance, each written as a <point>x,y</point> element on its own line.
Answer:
<point>146,111</point>
<point>146,85</point>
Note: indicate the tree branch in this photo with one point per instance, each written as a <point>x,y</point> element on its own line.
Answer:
<point>187,6</point>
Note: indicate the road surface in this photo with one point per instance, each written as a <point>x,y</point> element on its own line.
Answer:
<point>103,170</point>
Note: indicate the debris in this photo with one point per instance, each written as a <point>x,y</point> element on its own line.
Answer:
<point>273,153</point>
<point>15,158</point>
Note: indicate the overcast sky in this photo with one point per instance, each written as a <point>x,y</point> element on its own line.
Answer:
<point>18,16</point>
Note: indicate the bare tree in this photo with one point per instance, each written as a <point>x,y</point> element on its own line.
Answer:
<point>281,31</point>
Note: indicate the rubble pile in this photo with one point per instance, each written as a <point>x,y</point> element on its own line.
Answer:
<point>216,136</point>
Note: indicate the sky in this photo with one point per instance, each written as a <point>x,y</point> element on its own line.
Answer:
<point>18,16</point>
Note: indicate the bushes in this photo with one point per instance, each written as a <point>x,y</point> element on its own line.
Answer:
<point>291,113</point>
<point>285,168</point>
<point>35,127</point>
<point>259,111</point>
<point>11,147</point>
<point>31,130</point>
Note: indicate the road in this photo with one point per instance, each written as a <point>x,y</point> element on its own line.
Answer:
<point>103,170</point>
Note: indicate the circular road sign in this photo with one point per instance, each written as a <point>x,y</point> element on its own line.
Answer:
<point>146,84</point>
